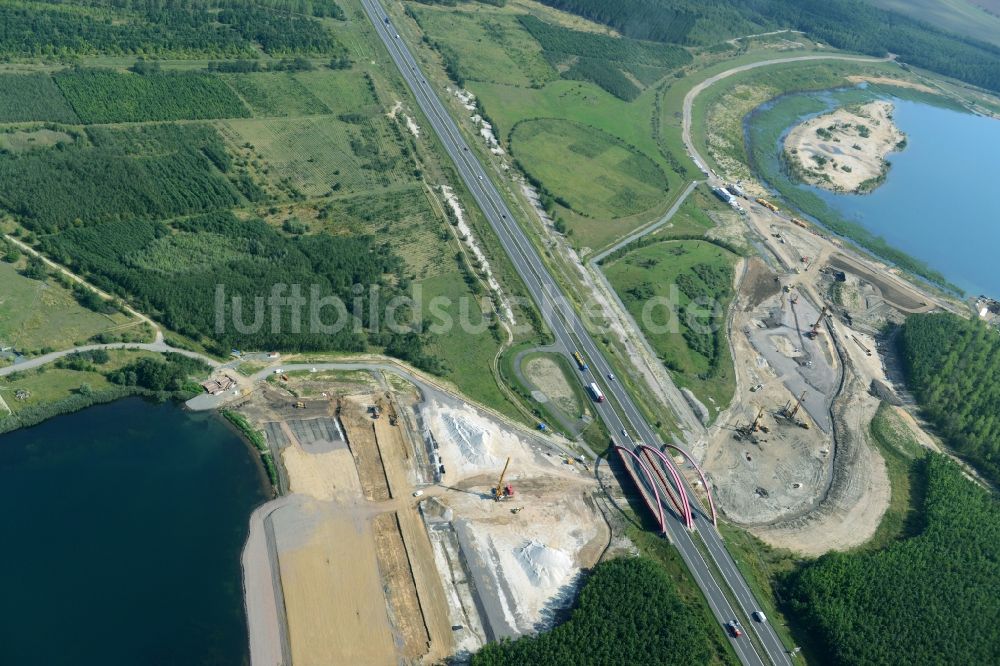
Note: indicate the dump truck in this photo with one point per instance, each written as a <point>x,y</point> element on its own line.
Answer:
<point>767,204</point>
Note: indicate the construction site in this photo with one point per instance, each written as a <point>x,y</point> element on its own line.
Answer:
<point>410,526</point>
<point>790,458</point>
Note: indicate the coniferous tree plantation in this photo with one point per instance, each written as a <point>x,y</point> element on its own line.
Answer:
<point>628,613</point>
<point>953,367</point>
<point>852,25</point>
<point>930,599</point>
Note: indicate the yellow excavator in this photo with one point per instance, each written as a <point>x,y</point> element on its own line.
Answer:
<point>502,492</point>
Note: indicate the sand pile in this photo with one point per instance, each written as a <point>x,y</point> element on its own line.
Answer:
<point>544,566</point>
<point>470,443</point>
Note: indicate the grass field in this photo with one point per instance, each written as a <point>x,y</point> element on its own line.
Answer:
<point>317,156</point>
<point>348,91</point>
<point>468,355</point>
<point>404,217</point>
<point>701,362</point>
<point>903,455</point>
<point>275,94</point>
<point>24,140</point>
<point>597,175</point>
<point>505,52</point>
<point>38,315</point>
<point>50,383</point>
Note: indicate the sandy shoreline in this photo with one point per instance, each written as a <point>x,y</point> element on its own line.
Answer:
<point>845,150</point>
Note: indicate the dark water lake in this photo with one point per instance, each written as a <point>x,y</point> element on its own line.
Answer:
<point>941,200</point>
<point>122,527</point>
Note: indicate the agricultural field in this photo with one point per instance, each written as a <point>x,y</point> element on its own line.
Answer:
<point>25,97</point>
<point>343,91</point>
<point>688,331</point>
<point>107,96</point>
<point>275,94</point>
<point>36,314</point>
<point>586,170</point>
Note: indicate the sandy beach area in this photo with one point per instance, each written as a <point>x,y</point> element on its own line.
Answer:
<point>845,150</point>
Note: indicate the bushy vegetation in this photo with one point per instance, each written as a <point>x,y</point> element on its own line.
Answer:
<point>173,372</point>
<point>173,271</point>
<point>686,286</point>
<point>605,75</point>
<point>651,625</point>
<point>931,598</point>
<point>256,437</point>
<point>641,19</point>
<point>953,367</point>
<point>147,172</point>
<point>106,96</point>
<point>852,25</point>
<point>32,97</point>
<point>602,59</point>
<point>178,28</point>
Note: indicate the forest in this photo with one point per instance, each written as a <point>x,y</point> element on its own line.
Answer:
<point>107,96</point>
<point>852,25</point>
<point>117,178</point>
<point>26,97</point>
<point>173,270</point>
<point>953,367</point>
<point>600,59</point>
<point>928,599</point>
<point>650,624</point>
<point>182,28</point>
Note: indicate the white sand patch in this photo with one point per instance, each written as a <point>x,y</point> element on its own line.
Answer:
<point>412,126</point>
<point>470,240</point>
<point>544,566</point>
<point>845,150</point>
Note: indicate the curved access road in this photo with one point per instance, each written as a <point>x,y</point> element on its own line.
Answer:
<point>697,89</point>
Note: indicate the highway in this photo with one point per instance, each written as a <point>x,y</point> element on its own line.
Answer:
<point>618,412</point>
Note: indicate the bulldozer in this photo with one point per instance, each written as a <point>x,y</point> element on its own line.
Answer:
<point>502,492</point>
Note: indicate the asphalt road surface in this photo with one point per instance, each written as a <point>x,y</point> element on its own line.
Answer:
<point>618,411</point>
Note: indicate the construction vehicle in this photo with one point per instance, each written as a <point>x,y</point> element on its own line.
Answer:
<point>390,409</point>
<point>789,411</point>
<point>767,204</point>
<point>299,405</point>
<point>754,427</point>
<point>595,392</point>
<point>814,331</point>
<point>580,363</point>
<point>502,492</point>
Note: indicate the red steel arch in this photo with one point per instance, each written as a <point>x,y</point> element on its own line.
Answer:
<point>675,475</point>
<point>649,476</point>
<point>704,481</point>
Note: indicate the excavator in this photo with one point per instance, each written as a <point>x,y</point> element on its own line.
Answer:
<point>502,492</point>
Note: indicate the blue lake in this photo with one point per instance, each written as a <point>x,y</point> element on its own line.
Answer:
<point>122,531</point>
<point>939,202</point>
